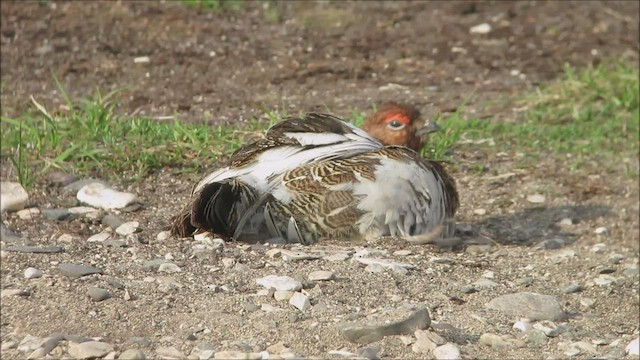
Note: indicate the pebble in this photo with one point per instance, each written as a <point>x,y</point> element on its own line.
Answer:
<point>8,345</point>
<point>132,354</point>
<point>551,244</point>
<point>616,259</point>
<point>101,196</point>
<point>115,243</point>
<point>573,288</point>
<point>483,283</point>
<point>374,268</point>
<point>169,267</point>
<point>59,178</point>
<point>581,347</point>
<point>57,214</point>
<point>13,196</point>
<point>14,292</point>
<point>283,283</point>
<point>483,28</point>
<point>282,295</point>
<point>35,249</point>
<point>300,301</point>
<point>152,265</point>
<point>521,325</point>
<point>426,341</point>
<point>111,221</point>
<point>169,352</point>
<point>605,280</point>
<point>6,235</point>
<point>387,263</point>
<point>75,270</point>
<point>448,351</point>
<point>337,257</point>
<point>32,273</point>
<point>565,222</point>
<point>28,214</point>
<point>89,349</point>
<point>633,348</point>
<point>493,340</point>
<point>402,252</point>
<point>536,337</point>
<point>321,275</point>
<point>468,289</point>
<point>598,248</point>
<point>163,235</point>
<point>368,352</point>
<point>601,230</point>
<point>82,210</point>
<point>588,303</point>
<point>527,304</point>
<point>419,319</point>
<point>524,281</point>
<point>127,228</point>
<point>141,60</point>
<point>289,255</point>
<point>97,294</point>
<point>99,237</point>
<point>237,355</point>
<point>536,199</point>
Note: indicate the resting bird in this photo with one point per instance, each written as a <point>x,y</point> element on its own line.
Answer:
<point>316,177</point>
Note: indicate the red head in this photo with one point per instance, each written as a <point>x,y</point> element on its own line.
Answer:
<point>399,124</point>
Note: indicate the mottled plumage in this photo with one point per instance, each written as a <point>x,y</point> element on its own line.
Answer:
<point>318,177</point>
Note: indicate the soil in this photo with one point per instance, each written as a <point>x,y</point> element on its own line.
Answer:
<point>228,66</point>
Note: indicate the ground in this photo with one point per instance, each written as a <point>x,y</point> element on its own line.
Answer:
<point>232,64</point>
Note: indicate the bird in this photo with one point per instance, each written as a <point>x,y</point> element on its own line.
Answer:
<point>316,177</point>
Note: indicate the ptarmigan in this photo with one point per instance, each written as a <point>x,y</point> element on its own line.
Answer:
<point>316,177</point>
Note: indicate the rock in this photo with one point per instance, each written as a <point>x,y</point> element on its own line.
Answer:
<point>588,303</point>
<point>367,334</point>
<point>551,244</point>
<point>601,231</point>
<point>524,281</point>
<point>386,263</point>
<point>402,253</point>
<point>605,280</point>
<point>493,340</point>
<point>141,60</point>
<point>57,214</point>
<point>523,326</point>
<point>128,228</point>
<point>76,271</point>
<point>426,341</point>
<point>633,348</point>
<point>448,351</point>
<point>14,292</point>
<point>89,349</point>
<point>101,196</point>
<point>368,352</point>
<point>97,294</point>
<point>8,345</point>
<point>163,235</point>
<point>237,355</point>
<point>300,301</point>
<point>483,28</point>
<point>169,352</point>
<point>28,214</point>
<point>282,295</point>
<point>582,347</point>
<point>616,259</point>
<point>13,196</point>
<point>337,257</point>
<point>8,236</point>
<point>531,305</point>
<point>99,237</point>
<point>283,283</point>
<point>83,210</point>
<point>573,288</point>
<point>468,289</point>
<point>536,199</point>
<point>169,267</point>
<point>132,354</point>
<point>536,337</point>
<point>598,248</point>
<point>483,283</point>
<point>154,264</point>
<point>115,243</point>
<point>374,268</point>
<point>565,222</point>
<point>111,221</point>
<point>321,275</point>
<point>35,249</point>
<point>342,354</point>
<point>32,273</point>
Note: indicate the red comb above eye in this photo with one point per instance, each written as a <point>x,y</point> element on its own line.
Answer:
<point>398,117</point>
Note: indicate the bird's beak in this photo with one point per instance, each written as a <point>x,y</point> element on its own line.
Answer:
<point>429,127</point>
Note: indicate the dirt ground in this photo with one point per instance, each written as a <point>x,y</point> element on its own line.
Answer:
<point>227,66</point>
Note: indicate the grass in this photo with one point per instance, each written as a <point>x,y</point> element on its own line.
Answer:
<point>588,118</point>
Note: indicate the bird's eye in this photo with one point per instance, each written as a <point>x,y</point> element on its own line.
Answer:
<point>395,124</point>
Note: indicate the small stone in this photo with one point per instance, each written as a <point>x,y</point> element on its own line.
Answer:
<point>7,235</point>
<point>153,265</point>
<point>288,255</point>
<point>133,207</point>
<point>598,248</point>
<point>448,351</point>
<point>605,280</point>
<point>13,196</point>
<point>8,345</point>
<point>111,221</point>
<point>237,355</point>
<point>584,347</point>
<point>163,235</point>
<point>616,258</point>
<point>141,60</point>
<point>97,294</point>
<point>573,288</point>
<point>32,273</point>
<point>483,28</point>
<point>419,319</point>
<point>300,301</point>
<point>28,214</point>
<point>282,295</point>
<point>368,352</point>
<point>75,271</point>
<point>524,281</point>
<point>531,305</point>
<point>374,268</point>
<point>101,196</point>
<point>588,302</point>
<point>565,222</point>
<point>169,352</point>
<point>127,228</point>
<point>493,340</point>
<point>551,244</point>
<point>402,253</point>
<point>89,349</point>
<point>523,326</point>
<point>169,268</point>
<point>386,263</point>
<point>337,257</point>
<point>606,270</point>
<point>480,211</point>
<point>115,243</point>
<point>58,178</point>
<point>57,214</point>
<point>132,354</point>
<point>83,210</point>
<point>426,341</point>
<point>633,348</point>
<point>536,199</point>
<point>407,340</point>
<point>99,237</point>
<point>35,249</point>
<point>536,337</point>
<point>66,238</point>
<point>321,275</point>
<point>469,289</point>
<point>14,292</point>
<point>285,283</point>
<point>483,283</point>
<point>601,231</point>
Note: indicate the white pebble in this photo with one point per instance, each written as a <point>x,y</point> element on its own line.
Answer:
<point>163,235</point>
<point>598,248</point>
<point>321,275</point>
<point>300,301</point>
<point>449,351</point>
<point>282,295</point>
<point>480,211</point>
<point>99,237</point>
<point>101,196</point>
<point>634,347</point>
<point>285,283</point>
<point>13,196</point>
<point>169,268</point>
<point>141,60</point>
<point>601,230</point>
<point>565,222</point>
<point>480,29</point>
<point>32,273</point>
<point>523,326</point>
<point>536,198</point>
<point>28,214</point>
<point>128,228</point>
<point>202,236</point>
